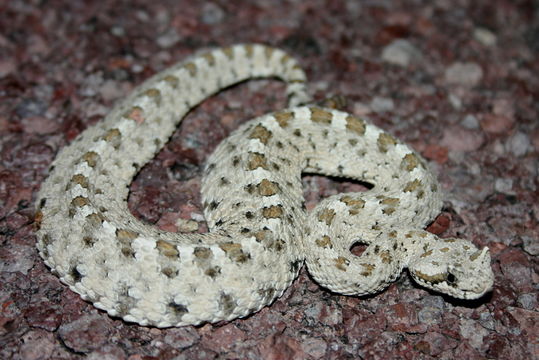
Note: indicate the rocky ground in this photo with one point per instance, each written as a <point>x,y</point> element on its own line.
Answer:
<point>455,79</point>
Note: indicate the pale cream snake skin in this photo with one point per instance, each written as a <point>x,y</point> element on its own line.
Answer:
<point>260,233</point>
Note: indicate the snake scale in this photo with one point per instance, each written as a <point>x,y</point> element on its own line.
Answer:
<point>260,232</point>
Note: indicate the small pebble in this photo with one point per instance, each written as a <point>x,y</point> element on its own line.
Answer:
<point>117,31</point>
<point>496,124</point>
<point>467,74</point>
<point>504,186</point>
<point>7,66</point>
<point>484,36</point>
<point>470,122</point>
<point>30,107</point>
<point>473,332</point>
<point>486,319</point>
<point>212,14</point>
<point>519,144</point>
<point>531,245</point>
<point>379,104</point>
<point>528,301</point>
<point>457,138</point>
<point>400,52</point>
<point>455,101</point>
<point>168,39</point>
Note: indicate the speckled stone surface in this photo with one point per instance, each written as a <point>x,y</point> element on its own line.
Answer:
<point>456,80</point>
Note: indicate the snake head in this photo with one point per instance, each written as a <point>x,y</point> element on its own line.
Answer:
<point>454,267</point>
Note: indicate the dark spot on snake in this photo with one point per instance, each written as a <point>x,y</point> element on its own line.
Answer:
<point>46,239</point>
<point>213,205</point>
<point>284,160</point>
<point>88,241</point>
<point>294,266</point>
<point>202,252</point>
<point>278,245</point>
<point>75,274</point>
<point>290,219</point>
<point>295,147</point>
<point>170,272</point>
<point>227,304</point>
<point>213,272</point>
<point>249,215</point>
<point>267,294</point>
<point>179,309</point>
<point>250,188</point>
<point>128,252</point>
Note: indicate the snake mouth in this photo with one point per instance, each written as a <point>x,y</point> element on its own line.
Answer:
<point>448,283</point>
<point>479,290</point>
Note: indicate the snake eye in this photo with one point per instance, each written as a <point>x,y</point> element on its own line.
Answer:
<point>451,279</point>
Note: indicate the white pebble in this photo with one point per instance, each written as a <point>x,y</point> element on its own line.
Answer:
<point>168,39</point>
<point>470,122</point>
<point>380,104</point>
<point>504,185</point>
<point>468,74</point>
<point>519,144</point>
<point>484,36</point>
<point>455,101</point>
<point>400,52</point>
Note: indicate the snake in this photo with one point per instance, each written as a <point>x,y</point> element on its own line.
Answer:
<point>260,232</point>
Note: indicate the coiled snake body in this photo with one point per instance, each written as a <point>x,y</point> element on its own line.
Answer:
<point>260,233</point>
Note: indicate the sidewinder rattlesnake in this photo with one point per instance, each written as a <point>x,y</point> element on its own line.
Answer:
<point>260,233</point>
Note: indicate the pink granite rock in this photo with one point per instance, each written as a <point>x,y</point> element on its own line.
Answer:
<point>424,71</point>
